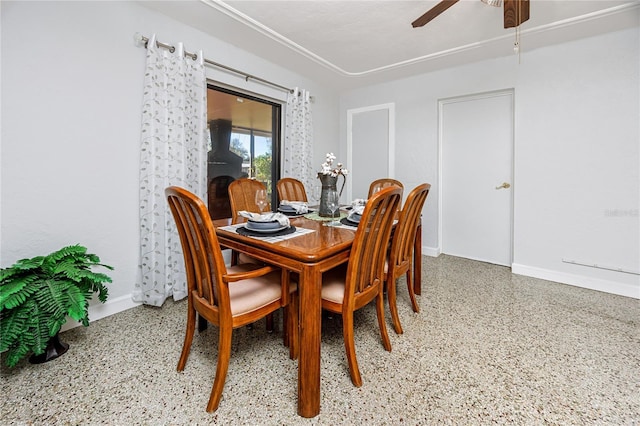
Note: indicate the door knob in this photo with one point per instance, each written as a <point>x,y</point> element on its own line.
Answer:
<point>504,185</point>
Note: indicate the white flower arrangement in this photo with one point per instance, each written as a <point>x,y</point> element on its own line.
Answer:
<point>329,169</point>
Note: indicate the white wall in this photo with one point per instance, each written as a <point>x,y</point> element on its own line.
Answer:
<point>72,89</point>
<point>72,82</point>
<point>576,187</point>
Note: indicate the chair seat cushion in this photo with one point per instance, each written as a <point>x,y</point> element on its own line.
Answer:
<point>333,283</point>
<point>253,293</point>
<point>244,258</point>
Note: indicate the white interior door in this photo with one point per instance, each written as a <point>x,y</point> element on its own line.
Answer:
<point>370,148</point>
<point>476,146</point>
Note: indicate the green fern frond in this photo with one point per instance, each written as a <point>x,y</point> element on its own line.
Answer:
<point>13,325</point>
<point>39,333</point>
<point>74,251</point>
<point>28,264</point>
<point>53,298</point>
<point>14,292</point>
<point>16,352</point>
<point>78,304</point>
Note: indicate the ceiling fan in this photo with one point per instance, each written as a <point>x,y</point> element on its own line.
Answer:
<point>515,11</point>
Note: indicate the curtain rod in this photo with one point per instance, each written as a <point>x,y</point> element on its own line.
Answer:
<point>139,38</point>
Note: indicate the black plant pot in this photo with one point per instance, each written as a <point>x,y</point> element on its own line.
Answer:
<point>55,348</point>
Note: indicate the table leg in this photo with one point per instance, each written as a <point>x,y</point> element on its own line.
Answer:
<point>417,261</point>
<point>310,308</point>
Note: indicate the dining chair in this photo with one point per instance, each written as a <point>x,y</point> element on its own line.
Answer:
<point>218,197</point>
<point>345,291</point>
<point>291,189</point>
<point>378,184</point>
<point>242,196</point>
<point>227,297</point>
<point>400,259</point>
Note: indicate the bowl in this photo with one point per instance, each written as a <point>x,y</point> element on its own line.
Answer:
<point>274,224</point>
<point>354,217</point>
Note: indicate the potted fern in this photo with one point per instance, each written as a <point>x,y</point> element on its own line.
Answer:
<point>36,297</point>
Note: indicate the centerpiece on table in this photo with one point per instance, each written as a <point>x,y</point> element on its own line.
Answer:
<point>329,178</point>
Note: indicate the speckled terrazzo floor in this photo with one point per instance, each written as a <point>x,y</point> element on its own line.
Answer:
<point>487,347</point>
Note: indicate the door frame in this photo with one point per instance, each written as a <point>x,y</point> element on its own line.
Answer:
<point>391,138</point>
<point>465,98</point>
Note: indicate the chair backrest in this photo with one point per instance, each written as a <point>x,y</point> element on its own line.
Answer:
<point>242,195</point>
<point>218,196</point>
<point>384,183</point>
<point>204,264</point>
<point>291,189</point>
<point>365,271</point>
<point>404,235</point>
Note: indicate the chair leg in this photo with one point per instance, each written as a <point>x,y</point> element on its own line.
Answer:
<point>202,323</point>
<point>188,337</point>
<point>383,326</point>
<point>412,294</point>
<point>350,348</point>
<point>393,306</point>
<point>224,353</point>
<point>270,323</point>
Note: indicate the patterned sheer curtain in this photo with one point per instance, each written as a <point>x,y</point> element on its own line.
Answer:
<point>173,151</point>
<point>298,140</point>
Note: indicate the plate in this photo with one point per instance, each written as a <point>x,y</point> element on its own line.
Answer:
<point>274,224</point>
<point>292,213</point>
<point>346,221</point>
<point>251,227</point>
<point>243,230</point>
<point>354,217</point>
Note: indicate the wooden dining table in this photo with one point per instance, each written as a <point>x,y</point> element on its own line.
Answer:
<point>310,255</point>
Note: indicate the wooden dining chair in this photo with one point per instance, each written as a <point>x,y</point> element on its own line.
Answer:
<point>291,189</point>
<point>218,197</point>
<point>344,292</point>
<point>378,184</point>
<point>400,260</point>
<point>242,196</point>
<point>227,297</point>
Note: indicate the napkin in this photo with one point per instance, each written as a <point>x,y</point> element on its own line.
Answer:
<point>359,209</point>
<point>299,206</point>
<point>267,217</point>
<point>356,211</point>
<point>358,202</point>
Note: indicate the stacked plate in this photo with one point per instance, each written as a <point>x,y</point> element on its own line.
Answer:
<point>354,217</point>
<point>286,209</point>
<point>290,210</point>
<point>265,227</point>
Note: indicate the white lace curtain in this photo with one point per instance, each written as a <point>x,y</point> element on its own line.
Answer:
<point>298,140</point>
<point>173,151</point>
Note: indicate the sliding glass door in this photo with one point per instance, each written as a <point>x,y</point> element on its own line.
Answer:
<point>245,143</point>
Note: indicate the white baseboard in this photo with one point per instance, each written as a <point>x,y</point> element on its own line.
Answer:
<point>431,251</point>
<point>103,310</point>
<point>606,286</point>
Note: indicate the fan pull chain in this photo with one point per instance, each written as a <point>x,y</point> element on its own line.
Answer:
<point>516,45</point>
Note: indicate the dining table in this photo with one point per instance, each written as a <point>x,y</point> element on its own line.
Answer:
<point>312,250</point>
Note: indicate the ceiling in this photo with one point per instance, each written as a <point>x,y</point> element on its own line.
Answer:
<point>349,43</point>
<point>241,111</point>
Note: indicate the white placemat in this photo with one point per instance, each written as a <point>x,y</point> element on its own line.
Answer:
<point>267,237</point>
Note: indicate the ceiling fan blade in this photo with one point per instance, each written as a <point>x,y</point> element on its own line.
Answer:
<point>433,12</point>
<point>515,12</point>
